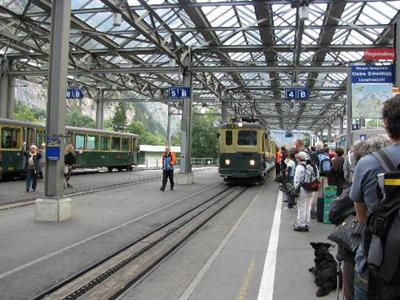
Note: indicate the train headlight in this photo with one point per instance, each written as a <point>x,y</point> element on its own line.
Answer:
<point>252,162</point>
<point>227,162</point>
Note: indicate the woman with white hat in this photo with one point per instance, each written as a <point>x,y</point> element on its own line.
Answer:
<point>305,173</point>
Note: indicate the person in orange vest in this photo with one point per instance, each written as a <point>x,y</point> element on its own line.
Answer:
<point>168,163</point>
<point>278,157</point>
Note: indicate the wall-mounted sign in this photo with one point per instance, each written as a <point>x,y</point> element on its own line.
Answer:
<point>298,93</point>
<point>288,135</point>
<point>178,92</point>
<point>74,93</point>
<point>53,148</point>
<point>372,74</point>
<point>379,54</point>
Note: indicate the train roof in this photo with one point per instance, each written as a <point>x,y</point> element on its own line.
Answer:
<point>245,125</point>
<point>89,130</point>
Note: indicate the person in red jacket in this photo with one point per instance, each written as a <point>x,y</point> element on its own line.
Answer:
<point>168,163</point>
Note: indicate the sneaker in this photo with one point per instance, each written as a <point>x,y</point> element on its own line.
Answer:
<point>300,228</point>
<point>27,190</point>
<point>162,189</point>
<point>68,185</point>
<point>172,188</point>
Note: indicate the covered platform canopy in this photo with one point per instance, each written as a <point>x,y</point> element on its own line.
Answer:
<point>243,53</point>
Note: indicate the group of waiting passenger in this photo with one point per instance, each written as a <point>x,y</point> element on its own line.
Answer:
<point>34,165</point>
<point>368,185</point>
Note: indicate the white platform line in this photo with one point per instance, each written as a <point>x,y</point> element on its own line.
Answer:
<point>40,259</point>
<point>195,282</point>
<point>266,291</point>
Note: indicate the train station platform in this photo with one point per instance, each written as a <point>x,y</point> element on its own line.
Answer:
<point>248,250</point>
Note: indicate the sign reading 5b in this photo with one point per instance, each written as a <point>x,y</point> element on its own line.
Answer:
<point>297,93</point>
<point>179,92</point>
<point>74,93</point>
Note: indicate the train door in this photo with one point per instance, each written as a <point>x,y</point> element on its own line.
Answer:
<point>29,136</point>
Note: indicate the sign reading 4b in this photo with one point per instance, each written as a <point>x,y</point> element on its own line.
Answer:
<point>297,93</point>
<point>179,92</point>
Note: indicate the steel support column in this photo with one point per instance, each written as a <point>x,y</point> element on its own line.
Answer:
<point>341,125</point>
<point>186,122</point>
<point>224,108</point>
<point>397,48</point>
<point>168,138</point>
<point>99,110</point>
<point>4,87</point>
<point>349,112</point>
<point>11,98</point>
<point>54,207</point>
<point>329,133</point>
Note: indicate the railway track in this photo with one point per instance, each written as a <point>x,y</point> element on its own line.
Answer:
<point>83,190</point>
<point>113,275</point>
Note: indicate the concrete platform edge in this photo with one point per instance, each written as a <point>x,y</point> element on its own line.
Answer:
<point>53,210</point>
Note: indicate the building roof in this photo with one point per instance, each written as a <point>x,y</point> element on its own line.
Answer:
<point>159,149</point>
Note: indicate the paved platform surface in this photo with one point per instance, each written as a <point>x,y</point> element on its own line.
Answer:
<point>224,260</point>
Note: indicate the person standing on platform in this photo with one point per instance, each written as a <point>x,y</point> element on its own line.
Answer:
<point>42,160</point>
<point>168,163</point>
<point>69,161</point>
<point>336,176</point>
<point>278,156</point>
<point>32,167</point>
<point>291,168</point>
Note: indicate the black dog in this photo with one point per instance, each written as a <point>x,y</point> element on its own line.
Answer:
<point>325,270</point>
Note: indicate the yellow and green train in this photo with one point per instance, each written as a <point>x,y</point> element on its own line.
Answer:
<point>94,148</point>
<point>246,152</point>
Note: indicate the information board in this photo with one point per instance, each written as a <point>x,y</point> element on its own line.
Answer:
<point>372,74</point>
<point>53,148</point>
<point>74,93</point>
<point>178,92</point>
<point>298,93</point>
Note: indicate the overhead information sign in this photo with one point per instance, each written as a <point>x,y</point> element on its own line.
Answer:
<point>178,92</point>
<point>297,93</point>
<point>74,93</point>
<point>372,74</point>
<point>379,54</point>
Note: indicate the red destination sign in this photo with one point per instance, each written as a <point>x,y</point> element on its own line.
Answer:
<point>379,53</point>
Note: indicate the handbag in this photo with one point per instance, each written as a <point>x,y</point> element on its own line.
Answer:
<point>348,233</point>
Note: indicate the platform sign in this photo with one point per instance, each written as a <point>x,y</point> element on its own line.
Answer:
<point>372,74</point>
<point>53,148</point>
<point>178,92</point>
<point>288,135</point>
<point>298,93</point>
<point>74,93</point>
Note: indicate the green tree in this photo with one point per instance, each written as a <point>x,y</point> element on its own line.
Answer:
<point>75,118</point>
<point>119,120</point>
<point>24,113</point>
<point>375,123</point>
<point>204,136</point>
<point>176,139</point>
<point>145,137</point>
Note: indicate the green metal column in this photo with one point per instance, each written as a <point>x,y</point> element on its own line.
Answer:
<point>349,113</point>
<point>99,110</point>
<point>168,139</point>
<point>4,87</point>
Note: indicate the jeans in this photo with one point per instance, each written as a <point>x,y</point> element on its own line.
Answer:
<point>168,174</point>
<point>361,286</point>
<point>304,207</point>
<point>31,178</point>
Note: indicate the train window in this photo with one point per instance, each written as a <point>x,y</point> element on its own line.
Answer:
<point>115,143</point>
<point>10,137</point>
<point>247,138</point>
<point>228,137</point>
<point>125,144</point>
<point>92,142</point>
<point>40,137</point>
<point>79,141</point>
<point>104,143</point>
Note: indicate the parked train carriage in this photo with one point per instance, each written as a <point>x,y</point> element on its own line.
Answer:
<point>94,148</point>
<point>246,152</point>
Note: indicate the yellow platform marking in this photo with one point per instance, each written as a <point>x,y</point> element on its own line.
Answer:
<point>392,182</point>
<point>246,281</point>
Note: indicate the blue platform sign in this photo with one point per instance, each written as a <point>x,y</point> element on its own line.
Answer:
<point>53,148</point>
<point>298,93</point>
<point>372,74</point>
<point>74,93</point>
<point>178,92</point>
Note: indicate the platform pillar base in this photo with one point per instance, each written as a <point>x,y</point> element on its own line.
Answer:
<point>185,178</point>
<point>53,210</point>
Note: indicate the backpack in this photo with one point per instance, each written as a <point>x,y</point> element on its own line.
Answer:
<point>383,225</point>
<point>311,181</point>
<point>341,208</point>
<point>325,164</point>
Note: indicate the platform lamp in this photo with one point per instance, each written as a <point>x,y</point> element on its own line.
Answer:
<point>117,19</point>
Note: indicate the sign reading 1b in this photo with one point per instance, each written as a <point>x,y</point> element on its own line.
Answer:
<point>74,93</point>
<point>179,92</point>
<point>297,93</point>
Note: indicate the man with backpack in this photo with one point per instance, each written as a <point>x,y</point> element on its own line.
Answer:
<point>376,196</point>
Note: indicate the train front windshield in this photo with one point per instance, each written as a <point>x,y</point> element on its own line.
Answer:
<point>247,138</point>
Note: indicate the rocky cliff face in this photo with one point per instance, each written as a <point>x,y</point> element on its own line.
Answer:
<point>35,95</point>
